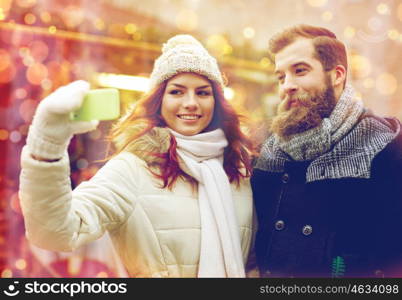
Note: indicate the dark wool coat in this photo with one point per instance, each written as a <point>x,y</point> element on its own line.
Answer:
<point>349,227</point>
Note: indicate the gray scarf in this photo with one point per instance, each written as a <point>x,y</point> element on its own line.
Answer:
<point>340,146</point>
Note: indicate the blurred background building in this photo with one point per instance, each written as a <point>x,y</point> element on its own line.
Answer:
<point>112,43</point>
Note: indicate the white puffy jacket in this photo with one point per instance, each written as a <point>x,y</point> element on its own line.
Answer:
<point>155,231</point>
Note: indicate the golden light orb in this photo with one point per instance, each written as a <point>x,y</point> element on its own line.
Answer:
<point>316,3</point>
<point>21,264</point>
<point>186,20</point>
<point>248,32</point>
<point>386,84</point>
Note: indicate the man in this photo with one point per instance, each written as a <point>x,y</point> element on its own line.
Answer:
<point>327,185</point>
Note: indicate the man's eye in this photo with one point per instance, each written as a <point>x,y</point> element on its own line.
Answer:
<point>301,70</point>
<point>281,78</point>
<point>175,92</point>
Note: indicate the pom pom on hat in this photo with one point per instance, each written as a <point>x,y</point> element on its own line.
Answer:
<point>184,53</point>
<point>178,40</point>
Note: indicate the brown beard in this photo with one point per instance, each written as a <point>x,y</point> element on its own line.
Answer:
<point>309,114</point>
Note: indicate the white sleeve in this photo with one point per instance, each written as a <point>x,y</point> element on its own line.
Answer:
<point>59,219</point>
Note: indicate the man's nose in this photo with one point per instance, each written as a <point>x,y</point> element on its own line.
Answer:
<point>289,87</point>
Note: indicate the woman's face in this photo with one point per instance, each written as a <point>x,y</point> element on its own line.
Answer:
<point>188,103</point>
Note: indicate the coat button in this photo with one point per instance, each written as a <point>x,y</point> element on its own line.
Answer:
<point>279,225</point>
<point>307,230</point>
<point>285,178</point>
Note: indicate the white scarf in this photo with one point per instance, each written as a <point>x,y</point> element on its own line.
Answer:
<point>202,154</point>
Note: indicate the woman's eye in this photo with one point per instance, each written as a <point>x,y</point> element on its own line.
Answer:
<point>175,92</point>
<point>204,93</point>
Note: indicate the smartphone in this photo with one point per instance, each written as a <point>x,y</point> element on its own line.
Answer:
<point>98,104</point>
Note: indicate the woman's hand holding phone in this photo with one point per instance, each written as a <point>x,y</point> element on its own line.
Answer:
<point>52,126</point>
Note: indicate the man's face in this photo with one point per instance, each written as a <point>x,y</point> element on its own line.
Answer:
<point>307,95</point>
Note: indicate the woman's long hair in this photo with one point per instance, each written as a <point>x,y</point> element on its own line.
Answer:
<point>147,115</point>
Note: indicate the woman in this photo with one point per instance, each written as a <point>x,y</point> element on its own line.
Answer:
<point>175,198</point>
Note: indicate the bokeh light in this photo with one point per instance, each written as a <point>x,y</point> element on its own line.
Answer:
<point>99,24</point>
<point>46,84</point>
<point>217,43</point>
<point>317,3</point>
<point>116,30</point>
<point>137,36</point>
<point>102,275</point>
<point>21,38</point>
<point>7,273</point>
<point>399,12</point>
<point>15,203</point>
<point>186,20</point>
<point>39,50</point>
<point>393,34</point>
<point>130,28</point>
<point>349,32</point>
<point>248,32</point>
<point>4,8</point>
<point>375,23</point>
<point>368,83</point>
<point>358,96</point>
<point>36,73</point>
<point>229,93</point>
<point>29,19</point>
<point>7,74</point>
<point>72,16</point>
<point>26,3</point>
<point>383,9</point>
<point>52,29</point>
<point>2,14</point>
<point>265,62</point>
<point>3,134</point>
<point>28,60</point>
<point>23,51</point>
<point>27,109</point>
<point>21,264</point>
<point>15,136</point>
<point>5,60</point>
<point>23,129</point>
<point>386,84</point>
<point>45,17</point>
<point>327,16</point>
<point>227,50</point>
<point>54,68</point>
<point>360,65</point>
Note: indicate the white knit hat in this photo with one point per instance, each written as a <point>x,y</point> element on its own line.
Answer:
<point>183,53</point>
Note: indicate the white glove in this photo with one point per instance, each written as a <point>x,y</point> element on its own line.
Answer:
<point>51,128</point>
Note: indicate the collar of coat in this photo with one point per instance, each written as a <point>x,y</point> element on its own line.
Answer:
<point>350,157</point>
<point>156,141</point>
